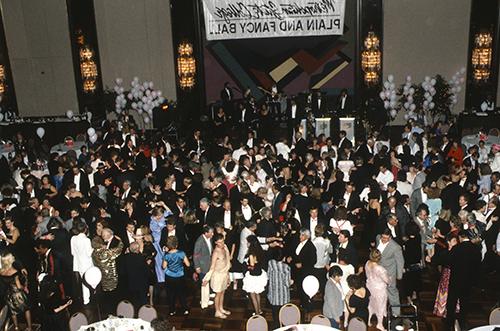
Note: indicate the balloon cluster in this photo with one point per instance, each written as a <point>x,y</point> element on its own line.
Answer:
<point>429,92</point>
<point>389,96</point>
<point>142,97</point>
<point>407,93</point>
<point>92,135</point>
<point>455,82</point>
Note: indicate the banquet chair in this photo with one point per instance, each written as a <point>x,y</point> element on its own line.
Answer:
<point>147,313</point>
<point>357,324</point>
<point>77,320</point>
<point>495,316</point>
<point>321,320</point>
<point>289,315</point>
<point>125,309</point>
<point>256,323</point>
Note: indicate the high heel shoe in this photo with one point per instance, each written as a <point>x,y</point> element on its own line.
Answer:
<point>222,316</point>
<point>226,312</point>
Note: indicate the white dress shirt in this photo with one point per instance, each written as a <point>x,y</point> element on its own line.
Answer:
<point>381,246</point>
<point>76,180</point>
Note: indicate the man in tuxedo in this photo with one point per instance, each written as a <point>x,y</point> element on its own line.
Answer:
<point>175,228</point>
<point>418,197</point>
<point>313,220</point>
<point>402,215</point>
<point>318,104</point>
<point>303,203</point>
<point>227,97</point>
<point>77,177</point>
<point>465,263</point>
<point>135,270</point>
<point>304,260</point>
<point>300,145</point>
<point>346,246</point>
<point>351,198</point>
<point>343,141</point>
<point>294,116</point>
<point>208,214</point>
<point>344,103</point>
<point>392,224</point>
<point>392,260</point>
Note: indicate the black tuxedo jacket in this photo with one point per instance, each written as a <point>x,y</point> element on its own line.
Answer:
<point>307,257</point>
<point>465,263</point>
<point>84,181</point>
<point>347,105</point>
<point>351,254</point>
<point>322,108</point>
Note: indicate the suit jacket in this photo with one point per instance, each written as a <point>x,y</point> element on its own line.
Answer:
<point>392,260</point>
<point>333,305</point>
<point>212,216</point>
<point>465,263</point>
<point>402,215</point>
<point>322,107</point>
<point>307,257</point>
<point>352,254</point>
<point>344,143</point>
<point>347,105</point>
<point>84,181</point>
<point>201,255</point>
<point>301,148</point>
<point>135,270</point>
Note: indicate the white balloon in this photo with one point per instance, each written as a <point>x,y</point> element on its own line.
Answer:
<point>393,104</point>
<point>462,70</point>
<point>119,81</point>
<point>393,113</point>
<point>69,114</point>
<point>406,105</point>
<point>151,85</point>
<point>433,81</point>
<point>390,78</point>
<point>392,86</point>
<point>136,79</point>
<point>387,94</point>
<point>145,85</point>
<point>118,110</point>
<point>413,107</point>
<point>412,90</point>
<point>159,92</point>
<point>93,138</point>
<point>459,89</point>
<point>408,78</point>
<point>427,79</point>
<point>410,99</point>
<point>148,92</point>
<point>407,116</point>
<point>146,120</point>
<point>93,277</point>
<point>91,131</point>
<point>382,95</point>
<point>387,84</point>
<point>130,96</point>
<point>310,285</point>
<point>462,80</point>
<point>153,94</point>
<point>387,104</point>
<point>40,132</point>
<point>426,103</point>
<point>139,111</point>
<point>432,105</point>
<point>134,105</point>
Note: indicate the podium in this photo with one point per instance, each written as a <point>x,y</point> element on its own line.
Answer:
<point>323,126</point>
<point>347,124</point>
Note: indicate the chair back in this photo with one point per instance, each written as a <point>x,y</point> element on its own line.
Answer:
<point>125,309</point>
<point>357,324</point>
<point>77,320</point>
<point>256,323</point>
<point>289,315</point>
<point>495,316</point>
<point>321,320</point>
<point>147,313</point>
<point>3,317</point>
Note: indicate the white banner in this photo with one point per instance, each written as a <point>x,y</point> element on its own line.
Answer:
<point>242,19</point>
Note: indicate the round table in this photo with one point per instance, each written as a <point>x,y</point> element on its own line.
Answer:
<point>118,324</point>
<point>63,148</point>
<point>306,327</point>
<point>473,139</point>
<point>486,328</point>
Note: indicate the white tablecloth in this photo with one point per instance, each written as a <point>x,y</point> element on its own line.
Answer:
<point>473,139</point>
<point>307,327</point>
<point>486,328</point>
<point>63,148</point>
<point>119,324</point>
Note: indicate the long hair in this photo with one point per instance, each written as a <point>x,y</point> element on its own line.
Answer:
<point>254,248</point>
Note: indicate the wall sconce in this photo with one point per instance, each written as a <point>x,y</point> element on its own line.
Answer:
<point>481,56</point>
<point>2,80</point>
<point>186,66</point>
<point>371,59</point>
<point>88,66</point>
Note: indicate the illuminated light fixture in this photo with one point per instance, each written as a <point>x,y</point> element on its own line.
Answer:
<point>88,67</point>
<point>371,59</point>
<point>481,56</point>
<point>2,80</point>
<point>186,66</point>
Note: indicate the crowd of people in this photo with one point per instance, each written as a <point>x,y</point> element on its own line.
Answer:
<point>247,210</point>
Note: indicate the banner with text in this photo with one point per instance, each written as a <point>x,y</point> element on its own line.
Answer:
<point>242,19</point>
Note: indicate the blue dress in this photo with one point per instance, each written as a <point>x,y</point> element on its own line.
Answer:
<point>156,227</point>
